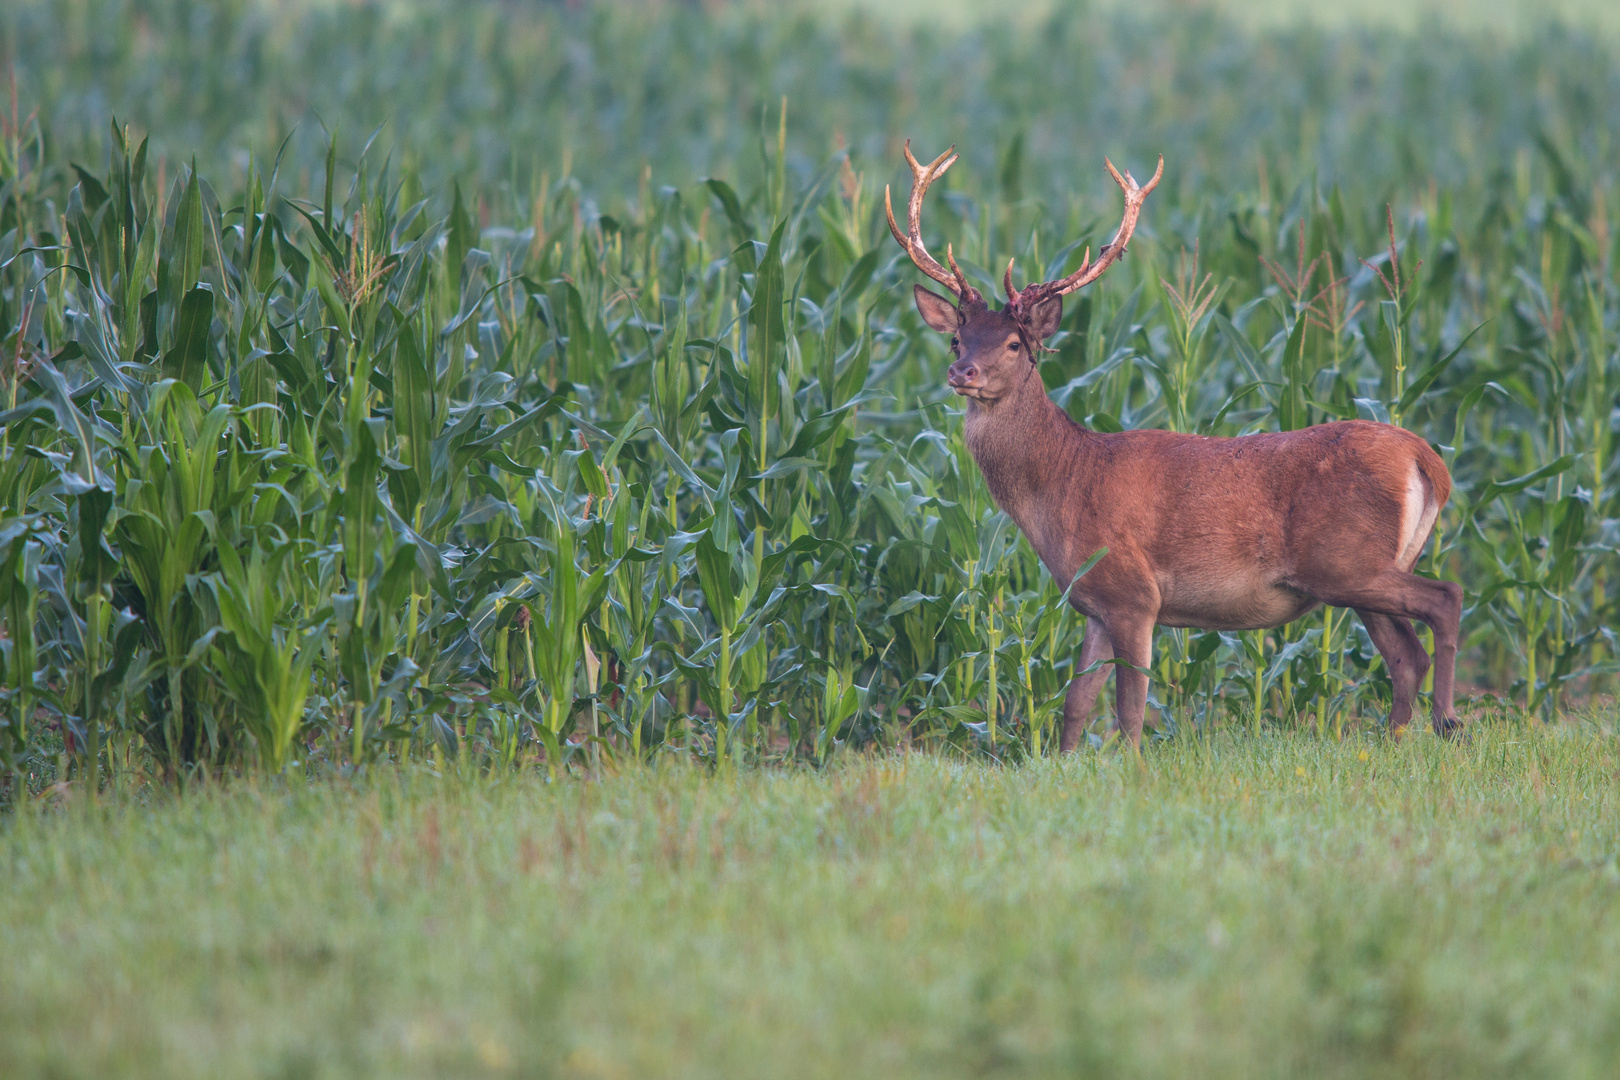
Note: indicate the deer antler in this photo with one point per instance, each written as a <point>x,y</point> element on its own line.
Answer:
<point>922,176</point>
<point>1089,271</point>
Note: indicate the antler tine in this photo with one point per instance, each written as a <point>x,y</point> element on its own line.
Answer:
<point>963,289</point>
<point>1006,281</point>
<point>921,177</point>
<point>1090,271</point>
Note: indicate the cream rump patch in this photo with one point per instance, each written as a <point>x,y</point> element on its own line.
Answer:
<point>1418,512</point>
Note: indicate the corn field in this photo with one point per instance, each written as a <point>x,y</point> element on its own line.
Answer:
<point>330,457</point>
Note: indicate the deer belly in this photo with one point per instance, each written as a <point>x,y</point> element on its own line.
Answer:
<point>1231,601</point>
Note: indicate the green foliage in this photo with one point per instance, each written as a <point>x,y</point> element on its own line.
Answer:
<point>394,455</point>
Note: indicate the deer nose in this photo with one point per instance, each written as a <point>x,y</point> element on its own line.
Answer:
<point>962,373</point>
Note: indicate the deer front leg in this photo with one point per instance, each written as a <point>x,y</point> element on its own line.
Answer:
<point>1132,637</point>
<point>1083,691</point>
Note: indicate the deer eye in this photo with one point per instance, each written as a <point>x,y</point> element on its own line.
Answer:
<point>1014,345</point>
<point>953,343</point>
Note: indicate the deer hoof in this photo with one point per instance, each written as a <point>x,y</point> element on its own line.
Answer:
<point>1450,727</point>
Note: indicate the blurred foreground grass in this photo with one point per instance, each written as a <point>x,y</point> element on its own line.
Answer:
<point>1507,17</point>
<point>1286,906</point>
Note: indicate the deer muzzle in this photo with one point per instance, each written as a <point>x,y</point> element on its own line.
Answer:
<point>963,377</point>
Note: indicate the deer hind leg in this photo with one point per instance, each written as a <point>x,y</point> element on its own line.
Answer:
<point>1442,601</point>
<point>1083,691</point>
<point>1403,655</point>
<point>1437,604</point>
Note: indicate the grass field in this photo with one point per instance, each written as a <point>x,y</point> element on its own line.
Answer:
<point>1231,908</point>
<point>1506,17</point>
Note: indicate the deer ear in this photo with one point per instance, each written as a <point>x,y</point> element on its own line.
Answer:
<point>1044,320</point>
<point>939,313</point>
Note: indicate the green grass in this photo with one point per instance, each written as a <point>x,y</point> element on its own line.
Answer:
<point>1246,908</point>
<point>1498,16</point>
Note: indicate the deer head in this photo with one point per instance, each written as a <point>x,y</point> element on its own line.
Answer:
<point>996,350</point>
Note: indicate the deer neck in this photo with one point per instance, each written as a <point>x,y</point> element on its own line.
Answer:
<point>1029,452</point>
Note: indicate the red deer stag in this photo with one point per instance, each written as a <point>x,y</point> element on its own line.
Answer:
<point>1214,533</point>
